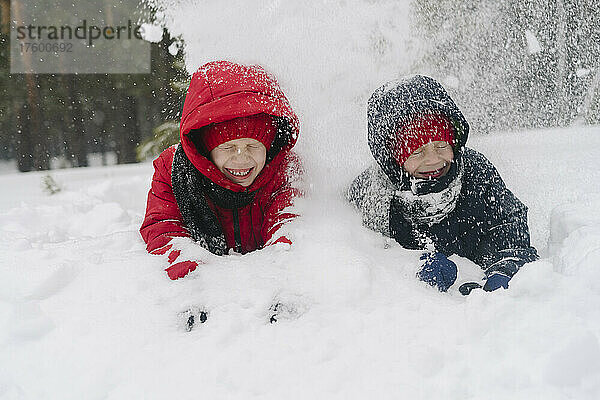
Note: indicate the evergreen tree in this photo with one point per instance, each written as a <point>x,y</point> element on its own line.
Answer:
<point>72,115</point>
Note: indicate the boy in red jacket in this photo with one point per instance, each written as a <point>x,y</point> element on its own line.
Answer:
<point>229,181</point>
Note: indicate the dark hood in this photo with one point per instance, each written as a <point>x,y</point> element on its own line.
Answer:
<point>394,104</point>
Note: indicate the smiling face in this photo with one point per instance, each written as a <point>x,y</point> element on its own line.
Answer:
<point>430,161</point>
<point>240,160</point>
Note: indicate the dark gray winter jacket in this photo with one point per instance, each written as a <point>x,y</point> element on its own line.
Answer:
<point>474,215</point>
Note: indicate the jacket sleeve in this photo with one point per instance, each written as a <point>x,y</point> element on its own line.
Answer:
<point>371,193</point>
<point>504,243</point>
<point>277,212</point>
<point>163,219</point>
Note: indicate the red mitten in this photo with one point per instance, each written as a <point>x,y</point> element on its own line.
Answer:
<point>173,256</point>
<point>181,269</point>
<point>161,250</point>
<point>177,270</point>
<point>282,239</point>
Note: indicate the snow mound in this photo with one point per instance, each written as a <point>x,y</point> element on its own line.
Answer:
<point>85,312</point>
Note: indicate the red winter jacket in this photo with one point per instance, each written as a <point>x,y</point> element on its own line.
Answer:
<point>220,91</point>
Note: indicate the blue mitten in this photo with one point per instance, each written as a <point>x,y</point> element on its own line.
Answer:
<point>438,271</point>
<point>496,281</point>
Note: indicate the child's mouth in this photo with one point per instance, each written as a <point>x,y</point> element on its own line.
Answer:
<point>239,173</point>
<point>433,174</point>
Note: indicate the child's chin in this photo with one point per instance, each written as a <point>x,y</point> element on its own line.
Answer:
<point>245,182</point>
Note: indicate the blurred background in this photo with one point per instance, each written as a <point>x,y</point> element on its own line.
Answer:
<point>510,65</point>
<point>50,121</point>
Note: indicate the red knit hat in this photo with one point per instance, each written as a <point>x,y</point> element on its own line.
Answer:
<point>259,126</point>
<point>422,129</point>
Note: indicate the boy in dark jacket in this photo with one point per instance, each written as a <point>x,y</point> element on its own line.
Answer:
<point>428,191</point>
<point>229,181</point>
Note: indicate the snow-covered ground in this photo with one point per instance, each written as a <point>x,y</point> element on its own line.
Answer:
<point>85,312</point>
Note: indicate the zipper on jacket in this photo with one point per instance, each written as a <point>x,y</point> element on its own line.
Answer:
<point>236,231</point>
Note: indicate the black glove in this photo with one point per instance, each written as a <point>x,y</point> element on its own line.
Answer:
<point>493,282</point>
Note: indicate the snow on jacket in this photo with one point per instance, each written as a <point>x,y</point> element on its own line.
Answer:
<point>247,217</point>
<point>487,224</point>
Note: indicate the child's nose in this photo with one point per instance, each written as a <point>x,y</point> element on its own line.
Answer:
<point>241,152</point>
<point>430,154</point>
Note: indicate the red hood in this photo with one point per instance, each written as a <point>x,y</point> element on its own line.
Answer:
<point>220,91</point>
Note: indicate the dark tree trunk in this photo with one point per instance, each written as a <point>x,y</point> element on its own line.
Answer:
<point>5,14</point>
<point>23,142</point>
<point>33,142</point>
<point>76,135</point>
<point>39,139</point>
<point>129,137</point>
